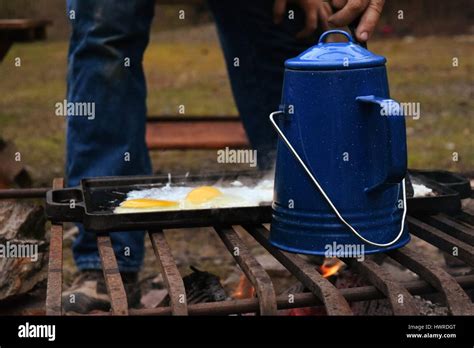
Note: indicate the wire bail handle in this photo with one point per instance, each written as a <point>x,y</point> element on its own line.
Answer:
<point>326,197</point>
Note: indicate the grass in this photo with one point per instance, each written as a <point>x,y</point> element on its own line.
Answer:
<point>188,68</point>
<point>422,71</point>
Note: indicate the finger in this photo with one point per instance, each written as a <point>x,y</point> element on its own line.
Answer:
<point>279,8</point>
<point>369,20</point>
<point>311,23</point>
<point>323,14</point>
<point>332,38</point>
<point>348,13</point>
<point>338,4</point>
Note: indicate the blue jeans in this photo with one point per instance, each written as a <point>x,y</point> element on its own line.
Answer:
<point>107,32</point>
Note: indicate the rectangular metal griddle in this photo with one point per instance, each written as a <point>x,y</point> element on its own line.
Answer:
<point>92,203</point>
<point>447,179</point>
<point>95,199</point>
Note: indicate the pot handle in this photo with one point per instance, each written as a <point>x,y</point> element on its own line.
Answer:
<point>326,197</point>
<point>396,145</point>
<point>335,31</point>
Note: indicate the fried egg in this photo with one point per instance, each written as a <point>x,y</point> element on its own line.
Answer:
<point>203,197</point>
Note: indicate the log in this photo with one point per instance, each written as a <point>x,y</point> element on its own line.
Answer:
<point>20,220</point>
<point>23,256</point>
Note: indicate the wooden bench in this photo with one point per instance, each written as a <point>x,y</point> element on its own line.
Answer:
<point>185,132</point>
<point>23,30</point>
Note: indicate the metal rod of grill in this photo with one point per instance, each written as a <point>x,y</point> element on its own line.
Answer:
<point>25,193</point>
<point>252,269</point>
<point>363,293</point>
<point>440,230</point>
<point>113,280</point>
<point>169,270</point>
<point>306,273</point>
<point>401,301</point>
<point>55,264</point>
<point>457,301</point>
<point>442,240</point>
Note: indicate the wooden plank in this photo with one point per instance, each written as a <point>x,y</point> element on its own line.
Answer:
<point>55,264</point>
<point>199,134</point>
<point>169,270</point>
<point>22,24</point>
<point>113,280</point>
<point>253,270</point>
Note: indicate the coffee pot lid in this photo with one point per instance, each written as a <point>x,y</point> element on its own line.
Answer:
<point>335,55</point>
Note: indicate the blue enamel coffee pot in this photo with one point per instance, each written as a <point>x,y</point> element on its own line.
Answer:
<point>341,156</point>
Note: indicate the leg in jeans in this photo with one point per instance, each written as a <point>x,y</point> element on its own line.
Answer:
<point>106,36</point>
<point>247,33</point>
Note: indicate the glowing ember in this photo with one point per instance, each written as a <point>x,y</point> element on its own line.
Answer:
<point>244,289</point>
<point>330,267</point>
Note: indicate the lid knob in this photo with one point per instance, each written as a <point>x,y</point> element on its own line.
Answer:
<point>335,31</point>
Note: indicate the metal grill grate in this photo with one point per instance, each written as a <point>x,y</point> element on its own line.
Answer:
<point>443,231</point>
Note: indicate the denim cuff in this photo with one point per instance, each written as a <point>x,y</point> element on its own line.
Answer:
<point>97,265</point>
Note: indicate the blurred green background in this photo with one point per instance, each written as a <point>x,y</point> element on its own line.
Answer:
<point>184,65</point>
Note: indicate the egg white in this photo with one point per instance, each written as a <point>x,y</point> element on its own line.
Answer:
<point>235,195</point>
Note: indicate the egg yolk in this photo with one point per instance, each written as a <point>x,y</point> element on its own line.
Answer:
<point>202,194</point>
<point>147,203</point>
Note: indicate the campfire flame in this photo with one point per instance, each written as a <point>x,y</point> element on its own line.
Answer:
<point>330,267</point>
<point>244,289</point>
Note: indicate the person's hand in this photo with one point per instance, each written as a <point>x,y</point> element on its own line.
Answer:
<point>346,11</point>
<point>316,12</point>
